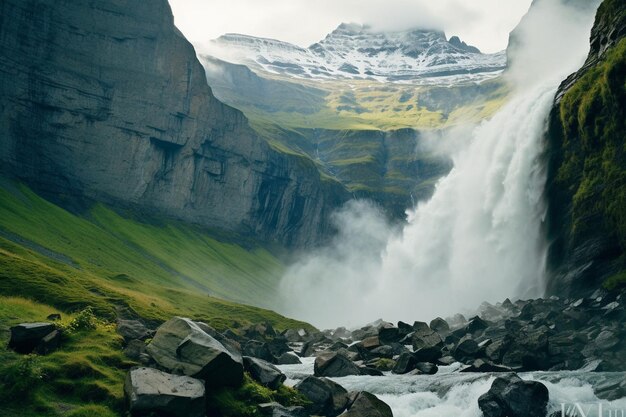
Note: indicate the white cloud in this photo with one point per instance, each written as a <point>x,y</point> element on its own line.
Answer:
<point>483,23</point>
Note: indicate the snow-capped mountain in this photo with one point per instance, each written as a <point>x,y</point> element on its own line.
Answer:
<point>354,51</point>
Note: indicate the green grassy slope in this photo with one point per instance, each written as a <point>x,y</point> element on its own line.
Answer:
<point>116,264</point>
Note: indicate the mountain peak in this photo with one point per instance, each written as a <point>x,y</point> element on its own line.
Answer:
<point>357,51</point>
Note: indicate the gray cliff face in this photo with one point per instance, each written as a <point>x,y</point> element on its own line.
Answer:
<point>106,100</point>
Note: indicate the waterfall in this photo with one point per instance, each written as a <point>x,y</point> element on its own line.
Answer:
<point>479,238</point>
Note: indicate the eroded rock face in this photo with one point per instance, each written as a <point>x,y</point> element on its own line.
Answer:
<point>108,101</point>
<point>182,347</point>
<point>151,391</point>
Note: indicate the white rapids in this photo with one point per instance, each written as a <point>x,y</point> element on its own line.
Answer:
<point>450,393</point>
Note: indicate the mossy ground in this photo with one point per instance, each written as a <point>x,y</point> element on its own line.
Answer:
<point>83,378</point>
<point>53,261</point>
<point>119,265</point>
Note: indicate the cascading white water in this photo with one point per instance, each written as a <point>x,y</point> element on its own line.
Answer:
<point>479,237</point>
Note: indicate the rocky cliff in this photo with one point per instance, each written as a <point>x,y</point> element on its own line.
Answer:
<point>105,100</point>
<point>587,165</point>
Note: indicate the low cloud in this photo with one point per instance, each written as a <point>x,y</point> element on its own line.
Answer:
<point>484,23</point>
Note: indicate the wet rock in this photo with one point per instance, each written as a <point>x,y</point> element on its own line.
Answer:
<point>480,365</point>
<point>182,347</point>
<point>334,365</point>
<point>327,397</point>
<point>428,354</point>
<point>384,351</point>
<point>132,329</point>
<point>369,371</point>
<point>426,368</point>
<point>151,391</point>
<point>528,350</point>
<point>264,372</point>
<point>466,350</point>
<point>389,334</point>
<point>368,405</point>
<point>29,337</point>
<point>425,339</point>
<point>288,358</point>
<point>510,396</point>
<point>277,410</point>
<point>475,325</point>
<point>404,364</point>
<point>259,350</point>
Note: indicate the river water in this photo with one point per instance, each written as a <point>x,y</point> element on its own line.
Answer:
<point>455,394</point>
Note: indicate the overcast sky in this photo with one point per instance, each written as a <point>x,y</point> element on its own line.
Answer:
<point>483,23</point>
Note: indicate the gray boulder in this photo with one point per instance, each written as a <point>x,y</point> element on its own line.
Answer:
<point>29,337</point>
<point>182,347</point>
<point>132,329</point>
<point>368,405</point>
<point>288,358</point>
<point>264,372</point>
<point>327,397</point>
<point>510,396</point>
<point>334,365</point>
<point>148,390</point>
<point>404,364</point>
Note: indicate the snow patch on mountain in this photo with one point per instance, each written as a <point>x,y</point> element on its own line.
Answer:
<point>355,51</point>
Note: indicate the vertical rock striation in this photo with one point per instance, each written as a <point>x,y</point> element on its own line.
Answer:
<point>587,165</point>
<point>106,100</point>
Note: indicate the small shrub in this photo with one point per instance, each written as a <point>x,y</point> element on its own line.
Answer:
<point>84,320</point>
<point>18,378</point>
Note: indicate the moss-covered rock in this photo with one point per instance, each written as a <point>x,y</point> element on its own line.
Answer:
<point>587,174</point>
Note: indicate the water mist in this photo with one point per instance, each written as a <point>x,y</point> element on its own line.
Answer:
<point>479,238</point>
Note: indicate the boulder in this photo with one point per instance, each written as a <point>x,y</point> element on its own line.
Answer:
<point>148,390</point>
<point>404,364</point>
<point>428,354</point>
<point>475,325</point>
<point>466,350</point>
<point>368,405</point>
<point>54,317</point>
<point>28,337</point>
<point>277,410</point>
<point>258,350</point>
<point>371,342</point>
<point>334,365</point>
<point>426,339</point>
<point>481,365</point>
<point>527,350</point>
<point>389,334</point>
<point>327,397</point>
<point>132,329</point>
<point>182,347</point>
<point>288,358</point>
<point>264,372</point>
<point>510,396</point>
<point>426,368</point>
<point>440,326</point>
<point>384,351</point>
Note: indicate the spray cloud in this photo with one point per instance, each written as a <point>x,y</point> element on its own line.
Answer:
<point>479,237</point>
